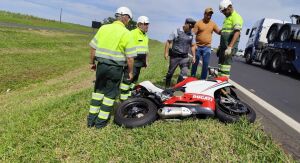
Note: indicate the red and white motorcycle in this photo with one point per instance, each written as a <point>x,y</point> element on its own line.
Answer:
<point>192,97</point>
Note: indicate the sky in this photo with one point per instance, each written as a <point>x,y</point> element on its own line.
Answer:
<point>165,15</point>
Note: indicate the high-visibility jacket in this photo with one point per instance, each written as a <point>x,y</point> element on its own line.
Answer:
<point>141,41</point>
<point>230,24</point>
<point>113,44</point>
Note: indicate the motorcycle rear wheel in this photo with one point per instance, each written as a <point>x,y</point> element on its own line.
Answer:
<point>135,112</point>
<point>231,111</point>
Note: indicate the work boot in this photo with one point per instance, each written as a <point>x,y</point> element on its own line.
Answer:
<point>100,123</point>
<point>91,118</point>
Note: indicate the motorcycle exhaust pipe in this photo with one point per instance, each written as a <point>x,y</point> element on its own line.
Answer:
<point>172,112</point>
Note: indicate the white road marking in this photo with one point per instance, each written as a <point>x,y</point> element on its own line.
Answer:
<point>286,119</point>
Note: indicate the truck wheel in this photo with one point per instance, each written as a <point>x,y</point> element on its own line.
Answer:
<point>272,34</point>
<point>276,63</point>
<point>136,112</point>
<point>284,34</point>
<point>248,57</point>
<point>265,62</point>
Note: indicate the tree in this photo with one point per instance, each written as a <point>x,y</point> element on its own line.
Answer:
<point>131,25</point>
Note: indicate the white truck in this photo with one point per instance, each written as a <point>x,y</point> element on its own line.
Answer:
<point>275,44</point>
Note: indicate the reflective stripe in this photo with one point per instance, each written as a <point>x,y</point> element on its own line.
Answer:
<point>237,27</point>
<point>110,56</point>
<point>97,96</point>
<point>95,41</point>
<point>129,94</point>
<point>93,45</point>
<point>110,52</point>
<point>131,55</point>
<point>123,96</point>
<point>224,70</point>
<point>142,49</point>
<point>103,115</point>
<point>223,74</point>
<point>132,85</point>
<point>227,29</point>
<point>94,109</point>
<point>108,101</point>
<point>225,67</point>
<point>129,50</point>
<point>124,87</point>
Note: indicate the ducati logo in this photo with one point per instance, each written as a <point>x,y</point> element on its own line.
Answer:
<point>203,97</point>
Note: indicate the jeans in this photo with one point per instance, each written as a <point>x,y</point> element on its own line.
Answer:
<point>205,52</point>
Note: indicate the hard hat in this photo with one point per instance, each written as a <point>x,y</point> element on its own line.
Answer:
<point>224,4</point>
<point>124,11</point>
<point>143,19</point>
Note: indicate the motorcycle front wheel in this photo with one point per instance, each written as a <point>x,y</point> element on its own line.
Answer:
<point>135,112</point>
<point>229,109</point>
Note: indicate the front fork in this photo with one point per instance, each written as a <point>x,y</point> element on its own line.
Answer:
<point>229,95</point>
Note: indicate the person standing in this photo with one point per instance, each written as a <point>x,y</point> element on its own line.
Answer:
<point>203,30</point>
<point>113,48</point>
<point>180,42</point>
<point>230,37</point>
<point>141,41</point>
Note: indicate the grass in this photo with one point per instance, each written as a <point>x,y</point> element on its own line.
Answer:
<point>8,17</point>
<point>30,56</point>
<point>43,117</point>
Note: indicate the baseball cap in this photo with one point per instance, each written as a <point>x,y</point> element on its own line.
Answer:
<point>208,10</point>
<point>190,21</point>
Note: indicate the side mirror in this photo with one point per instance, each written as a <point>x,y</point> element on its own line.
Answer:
<point>247,32</point>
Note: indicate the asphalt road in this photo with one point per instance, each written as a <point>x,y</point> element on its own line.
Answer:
<point>279,90</point>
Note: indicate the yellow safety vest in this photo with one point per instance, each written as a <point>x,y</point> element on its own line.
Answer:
<point>230,24</point>
<point>141,40</point>
<point>113,44</point>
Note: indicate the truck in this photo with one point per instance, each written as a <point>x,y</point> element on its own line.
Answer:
<point>274,44</point>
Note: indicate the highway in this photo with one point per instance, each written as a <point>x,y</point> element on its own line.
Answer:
<point>280,90</point>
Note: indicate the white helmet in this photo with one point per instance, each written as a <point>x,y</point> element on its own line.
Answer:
<point>143,19</point>
<point>224,4</point>
<point>124,11</point>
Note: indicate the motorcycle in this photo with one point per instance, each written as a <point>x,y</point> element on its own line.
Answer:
<point>214,97</point>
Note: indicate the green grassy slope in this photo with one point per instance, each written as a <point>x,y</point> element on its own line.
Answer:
<point>8,17</point>
<point>43,116</point>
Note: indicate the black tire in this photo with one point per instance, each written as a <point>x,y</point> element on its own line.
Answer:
<point>248,57</point>
<point>227,116</point>
<point>276,63</point>
<point>265,62</point>
<point>284,34</point>
<point>135,112</point>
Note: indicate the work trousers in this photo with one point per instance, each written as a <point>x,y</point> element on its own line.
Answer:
<point>174,63</point>
<point>127,85</point>
<point>225,62</point>
<point>108,78</point>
